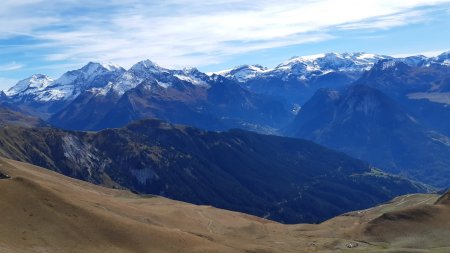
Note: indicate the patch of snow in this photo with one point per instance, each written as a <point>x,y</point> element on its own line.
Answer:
<point>126,82</point>
<point>163,84</point>
<point>101,91</point>
<point>191,79</point>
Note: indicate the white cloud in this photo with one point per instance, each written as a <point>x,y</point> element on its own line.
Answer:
<point>10,67</point>
<point>182,32</point>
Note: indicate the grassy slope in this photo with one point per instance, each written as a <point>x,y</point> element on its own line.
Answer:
<point>43,211</point>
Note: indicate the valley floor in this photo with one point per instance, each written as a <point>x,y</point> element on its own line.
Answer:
<point>42,211</point>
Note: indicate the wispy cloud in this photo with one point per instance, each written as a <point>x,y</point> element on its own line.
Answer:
<point>191,33</point>
<point>389,21</point>
<point>10,66</point>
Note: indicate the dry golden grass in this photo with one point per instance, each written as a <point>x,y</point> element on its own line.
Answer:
<point>42,211</point>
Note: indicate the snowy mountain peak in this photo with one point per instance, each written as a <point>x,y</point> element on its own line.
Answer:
<point>40,88</point>
<point>33,83</point>
<point>86,75</point>
<point>243,72</point>
<point>146,65</point>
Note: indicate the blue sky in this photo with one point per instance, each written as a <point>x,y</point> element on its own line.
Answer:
<point>42,36</point>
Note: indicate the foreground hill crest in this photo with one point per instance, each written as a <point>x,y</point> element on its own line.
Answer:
<point>60,214</point>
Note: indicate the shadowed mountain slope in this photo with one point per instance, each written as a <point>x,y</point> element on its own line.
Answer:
<point>283,179</point>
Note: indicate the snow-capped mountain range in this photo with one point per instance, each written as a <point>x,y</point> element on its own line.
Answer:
<point>104,78</point>
<point>148,70</point>
<point>307,67</point>
<point>101,79</point>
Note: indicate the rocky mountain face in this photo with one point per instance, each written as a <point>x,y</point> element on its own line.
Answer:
<point>282,179</point>
<point>217,104</point>
<point>366,123</point>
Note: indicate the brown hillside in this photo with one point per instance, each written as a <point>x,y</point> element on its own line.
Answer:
<point>42,211</point>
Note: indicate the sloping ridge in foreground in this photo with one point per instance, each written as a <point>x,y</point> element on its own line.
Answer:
<point>421,226</point>
<point>46,212</point>
<point>43,211</point>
